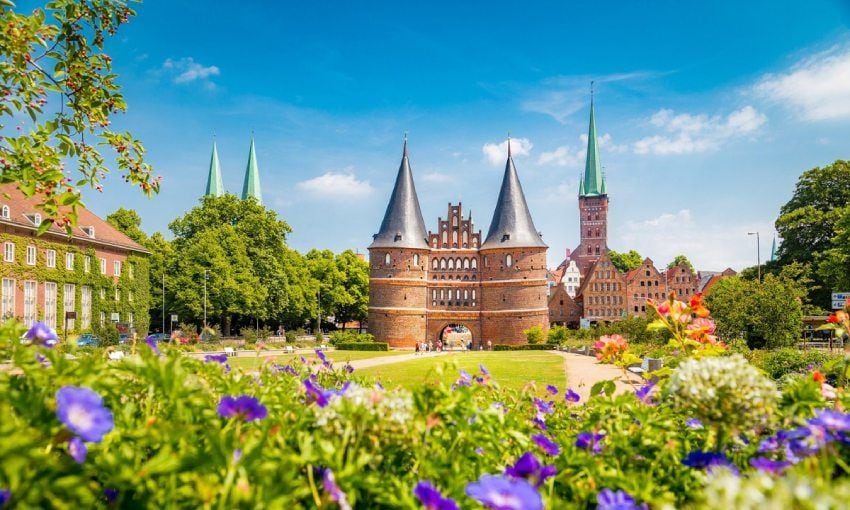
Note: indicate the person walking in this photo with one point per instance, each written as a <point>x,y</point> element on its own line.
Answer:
<point>417,348</point>
<point>489,345</point>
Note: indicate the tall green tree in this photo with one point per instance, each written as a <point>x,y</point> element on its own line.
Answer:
<point>680,259</point>
<point>807,222</point>
<point>58,94</point>
<point>833,265</point>
<point>129,222</point>
<point>769,314</point>
<point>355,273</point>
<point>625,261</point>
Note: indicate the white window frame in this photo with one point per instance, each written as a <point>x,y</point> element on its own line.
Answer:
<point>87,264</point>
<point>116,268</point>
<point>69,301</point>
<point>69,261</point>
<point>50,298</point>
<point>7,311</point>
<point>509,260</point>
<point>9,251</point>
<point>50,257</point>
<point>32,253</point>
<point>30,297</point>
<point>85,301</point>
<point>6,213</point>
<point>102,265</point>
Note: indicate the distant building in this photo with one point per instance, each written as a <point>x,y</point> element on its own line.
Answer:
<point>98,273</point>
<point>423,284</point>
<point>251,184</point>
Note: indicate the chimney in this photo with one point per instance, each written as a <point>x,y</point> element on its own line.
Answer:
<point>568,255</point>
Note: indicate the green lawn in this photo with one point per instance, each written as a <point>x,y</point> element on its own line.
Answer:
<point>335,356</point>
<point>512,369</point>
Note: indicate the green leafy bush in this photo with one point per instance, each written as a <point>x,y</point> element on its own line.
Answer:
<point>557,334</point>
<point>342,337</point>
<point>291,337</point>
<point>363,346</point>
<point>534,334</point>
<point>785,361</point>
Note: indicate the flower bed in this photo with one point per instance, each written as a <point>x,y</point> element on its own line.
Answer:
<point>159,429</point>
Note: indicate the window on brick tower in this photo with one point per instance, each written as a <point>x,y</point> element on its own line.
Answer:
<point>416,259</point>
<point>509,260</point>
<point>597,250</point>
<point>435,264</point>
<point>442,263</point>
<point>445,238</point>
<point>454,238</point>
<point>387,259</point>
<point>474,263</point>
<point>454,221</point>
<point>451,264</point>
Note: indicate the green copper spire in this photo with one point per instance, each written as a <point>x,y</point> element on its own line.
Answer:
<point>773,250</point>
<point>251,187</point>
<point>593,182</point>
<point>214,186</point>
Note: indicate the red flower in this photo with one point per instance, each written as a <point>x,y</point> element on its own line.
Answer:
<point>818,376</point>
<point>833,319</point>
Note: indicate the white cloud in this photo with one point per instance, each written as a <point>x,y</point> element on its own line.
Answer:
<point>686,133</point>
<point>336,184</point>
<point>818,87</point>
<point>437,177</point>
<point>496,153</point>
<point>709,244</point>
<point>568,156</point>
<point>186,70</point>
<point>557,104</point>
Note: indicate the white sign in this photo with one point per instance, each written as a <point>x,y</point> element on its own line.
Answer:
<point>116,317</point>
<point>839,299</point>
<point>173,317</point>
<point>584,323</point>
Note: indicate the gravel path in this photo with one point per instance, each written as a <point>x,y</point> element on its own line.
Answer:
<point>584,371</point>
<point>386,360</point>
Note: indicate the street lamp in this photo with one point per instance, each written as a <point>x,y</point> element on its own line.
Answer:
<point>758,252</point>
<point>206,273</point>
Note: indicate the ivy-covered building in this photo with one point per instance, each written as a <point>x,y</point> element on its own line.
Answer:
<point>98,273</point>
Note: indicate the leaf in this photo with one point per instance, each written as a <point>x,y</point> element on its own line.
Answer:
<point>607,387</point>
<point>656,325</point>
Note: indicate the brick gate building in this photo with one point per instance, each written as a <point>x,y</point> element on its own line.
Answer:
<point>421,282</point>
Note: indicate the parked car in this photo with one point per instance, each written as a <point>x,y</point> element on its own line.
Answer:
<point>160,337</point>
<point>88,340</point>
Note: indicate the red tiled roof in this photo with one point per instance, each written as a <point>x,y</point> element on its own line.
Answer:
<point>105,234</point>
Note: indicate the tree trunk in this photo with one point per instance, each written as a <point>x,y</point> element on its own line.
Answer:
<point>225,325</point>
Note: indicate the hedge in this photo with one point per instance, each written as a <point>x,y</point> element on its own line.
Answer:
<point>525,347</point>
<point>363,346</point>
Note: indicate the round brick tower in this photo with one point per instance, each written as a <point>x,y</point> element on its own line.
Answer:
<point>398,267</point>
<point>513,269</point>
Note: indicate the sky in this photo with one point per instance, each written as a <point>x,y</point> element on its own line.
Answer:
<point>707,112</point>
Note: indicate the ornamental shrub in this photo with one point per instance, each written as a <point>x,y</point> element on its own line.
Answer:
<point>291,337</point>
<point>534,334</point>
<point>363,346</point>
<point>557,334</point>
<point>780,362</point>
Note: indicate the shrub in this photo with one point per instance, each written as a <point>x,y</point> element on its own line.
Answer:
<point>250,335</point>
<point>319,335</point>
<point>534,334</point>
<point>557,334</point>
<point>780,362</point>
<point>343,337</point>
<point>108,334</point>
<point>523,347</point>
<point>291,337</point>
<point>364,346</point>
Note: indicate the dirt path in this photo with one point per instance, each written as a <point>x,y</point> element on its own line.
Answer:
<point>584,371</point>
<point>386,360</point>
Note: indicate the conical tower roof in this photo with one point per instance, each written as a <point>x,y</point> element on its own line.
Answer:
<point>215,188</point>
<point>773,250</point>
<point>403,226</point>
<point>251,186</point>
<point>593,182</point>
<point>512,226</point>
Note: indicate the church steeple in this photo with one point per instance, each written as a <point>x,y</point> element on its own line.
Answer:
<point>215,188</point>
<point>593,182</point>
<point>403,225</point>
<point>512,225</point>
<point>251,186</point>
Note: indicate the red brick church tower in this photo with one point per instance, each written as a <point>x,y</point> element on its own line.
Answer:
<point>592,205</point>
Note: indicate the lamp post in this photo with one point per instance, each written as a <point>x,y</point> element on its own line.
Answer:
<point>206,273</point>
<point>758,252</point>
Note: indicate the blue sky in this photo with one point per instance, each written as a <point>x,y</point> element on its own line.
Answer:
<point>708,111</point>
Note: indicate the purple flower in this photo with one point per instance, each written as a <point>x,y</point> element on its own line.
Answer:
<point>41,358</point>
<point>547,445</point>
<point>111,495</point>
<point>833,423</point>
<point>316,393</point>
<point>83,412</point>
<point>5,496</point>
<point>540,421</point>
<point>321,357</point>
<point>502,493</point>
<point>483,370</point>
<point>529,468</point>
<point>42,334</point>
<point>151,341</point>
<point>590,441</point>
<point>348,368</point>
<point>542,406</point>
<point>465,378</point>
<point>552,390</point>
<point>693,423</point>
<point>768,465</point>
<point>644,393</point>
<point>237,455</point>
<point>244,407</point>
<point>571,396</point>
<point>77,449</point>
<point>479,451</point>
<point>303,360</point>
<point>708,460</point>
<point>620,500</point>
<point>215,358</point>
<point>431,498</point>
<point>333,490</point>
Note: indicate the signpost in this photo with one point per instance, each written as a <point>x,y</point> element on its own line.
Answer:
<point>839,299</point>
<point>173,320</point>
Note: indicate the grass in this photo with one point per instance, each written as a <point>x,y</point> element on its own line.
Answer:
<point>512,369</point>
<point>250,363</point>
